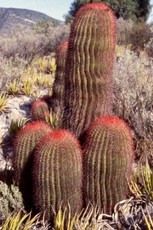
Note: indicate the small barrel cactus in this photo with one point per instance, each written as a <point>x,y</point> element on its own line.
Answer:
<point>57,173</point>
<point>23,148</point>
<point>108,161</point>
<point>39,110</point>
<point>89,67</point>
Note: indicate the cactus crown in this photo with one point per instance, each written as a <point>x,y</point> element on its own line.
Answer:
<point>37,103</point>
<point>33,126</point>
<point>112,122</point>
<point>58,137</point>
<point>114,125</point>
<point>96,6</point>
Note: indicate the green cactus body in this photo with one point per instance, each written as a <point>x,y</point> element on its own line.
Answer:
<point>58,87</point>
<point>108,160</point>
<point>89,67</point>
<point>39,110</point>
<point>23,148</point>
<point>57,173</point>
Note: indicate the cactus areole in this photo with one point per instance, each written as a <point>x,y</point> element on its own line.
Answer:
<point>89,67</point>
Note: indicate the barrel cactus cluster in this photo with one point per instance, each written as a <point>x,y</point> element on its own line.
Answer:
<point>89,159</point>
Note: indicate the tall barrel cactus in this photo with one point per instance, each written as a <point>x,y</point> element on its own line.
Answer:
<point>57,173</point>
<point>108,159</point>
<point>89,67</point>
<point>23,148</point>
<point>58,87</point>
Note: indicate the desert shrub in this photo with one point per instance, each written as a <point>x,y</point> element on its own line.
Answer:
<point>25,47</point>
<point>148,47</point>
<point>133,93</point>
<point>144,149</point>
<point>19,77</point>
<point>61,33</point>
<point>33,44</point>
<point>133,35</point>
<point>140,35</point>
<point>124,30</point>
<point>10,200</point>
<point>18,52</point>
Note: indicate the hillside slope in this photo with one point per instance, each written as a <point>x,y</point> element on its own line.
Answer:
<point>13,19</point>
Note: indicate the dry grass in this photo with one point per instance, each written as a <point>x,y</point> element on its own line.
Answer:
<point>133,95</point>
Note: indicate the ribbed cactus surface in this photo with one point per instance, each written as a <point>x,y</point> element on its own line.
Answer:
<point>108,159</point>
<point>23,148</point>
<point>57,173</point>
<point>39,110</point>
<point>59,83</point>
<point>89,67</point>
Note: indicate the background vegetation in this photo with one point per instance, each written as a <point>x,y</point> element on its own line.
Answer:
<point>126,9</point>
